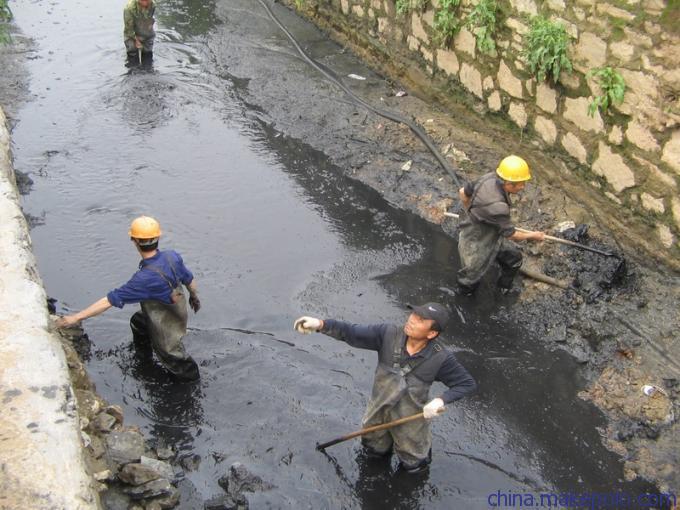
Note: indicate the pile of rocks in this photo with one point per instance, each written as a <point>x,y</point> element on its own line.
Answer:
<point>128,474</point>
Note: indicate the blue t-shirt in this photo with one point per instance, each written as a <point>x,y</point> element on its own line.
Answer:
<point>146,283</point>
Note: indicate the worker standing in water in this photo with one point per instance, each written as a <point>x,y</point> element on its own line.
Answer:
<point>487,235</point>
<point>410,359</point>
<point>138,31</point>
<point>157,286</point>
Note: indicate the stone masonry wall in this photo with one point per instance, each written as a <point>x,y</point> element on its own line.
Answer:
<point>631,153</point>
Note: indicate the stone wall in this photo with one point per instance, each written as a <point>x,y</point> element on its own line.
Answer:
<point>631,154</point>
<point>42,464</point>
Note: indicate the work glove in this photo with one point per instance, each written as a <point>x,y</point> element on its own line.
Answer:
<point>433,408</point>
<point>307,325</point>
<point>194,302</point>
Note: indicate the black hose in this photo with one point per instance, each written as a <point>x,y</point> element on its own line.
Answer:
<point>330,75</point>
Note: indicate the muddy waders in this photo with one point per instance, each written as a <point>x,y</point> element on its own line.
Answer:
<point>163,326</point>
<point>481,243</point>
<point>399,392</point>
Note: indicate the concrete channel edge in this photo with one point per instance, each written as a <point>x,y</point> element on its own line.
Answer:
<point>41,452</point>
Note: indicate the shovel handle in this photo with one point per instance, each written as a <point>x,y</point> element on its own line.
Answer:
<point>367,430</point>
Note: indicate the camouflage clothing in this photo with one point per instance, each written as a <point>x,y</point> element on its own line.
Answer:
<point>138,23</point>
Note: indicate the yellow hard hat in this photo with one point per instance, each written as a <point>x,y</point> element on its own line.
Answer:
<point>145,227</point>
<point>513,169</point>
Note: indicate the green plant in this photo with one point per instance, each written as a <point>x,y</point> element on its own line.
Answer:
<point>299,4</point>
<point>545,49</point>
<point>5,16</point>
<point>482,21</point>
<point>406,6</point>
<point>613,89</point>
<point>446,22</point>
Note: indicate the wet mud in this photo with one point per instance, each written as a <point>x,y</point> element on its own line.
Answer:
<point>285,198</point>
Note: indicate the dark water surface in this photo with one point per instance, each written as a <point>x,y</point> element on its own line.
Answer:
<point>271,231</point>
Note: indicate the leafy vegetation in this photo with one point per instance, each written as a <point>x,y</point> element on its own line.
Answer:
<point>545,49</point>
<point>406,6</point>
<point>446,21</point>
<point>5,16</point>
<point>482,22</point>
<point>613,89</point>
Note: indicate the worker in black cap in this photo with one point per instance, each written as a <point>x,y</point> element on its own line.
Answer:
<point>410,359</point>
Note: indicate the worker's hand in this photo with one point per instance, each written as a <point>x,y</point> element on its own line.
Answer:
<point>306,325</point>
<point>67,321</point>
<point>538,236</point>
<point>464,198</point>
<point>194,302</point>
<point>138,43</point>
<point>433,408</point>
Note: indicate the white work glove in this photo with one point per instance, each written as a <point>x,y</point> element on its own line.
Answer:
<point>433,408</point>
<point>307,325</point>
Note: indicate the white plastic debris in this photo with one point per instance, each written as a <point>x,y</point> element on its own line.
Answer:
<point>407,166</point>
<point>565,225</point>
<point>356,77</point>
<point>401,93</point>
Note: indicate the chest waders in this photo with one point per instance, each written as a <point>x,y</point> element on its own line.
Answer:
<point>480,244</point>
<point>143,25</point>
<point>164,326</point>
<point>401,389</point>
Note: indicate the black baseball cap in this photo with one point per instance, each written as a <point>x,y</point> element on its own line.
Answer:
<point>433,311</point>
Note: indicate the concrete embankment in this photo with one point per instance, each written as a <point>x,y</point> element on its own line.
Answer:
<point>40,446</point>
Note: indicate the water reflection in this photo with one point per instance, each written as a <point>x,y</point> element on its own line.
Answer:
<point>189,18</point>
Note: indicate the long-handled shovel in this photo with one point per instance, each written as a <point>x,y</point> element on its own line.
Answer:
<point>139,54</point>
<point>557,240</point>
<point>367,430</point>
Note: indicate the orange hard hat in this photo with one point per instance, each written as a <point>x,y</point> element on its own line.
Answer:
<point>145,227</point>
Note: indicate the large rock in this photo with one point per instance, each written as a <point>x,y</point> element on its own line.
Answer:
<point>137,474</point>
<point>517,26</point>
<point>546,98</point>
<point>641,137</point>
<point>576,111</point>
<point>152,489</point>
<point>524,6</point>
<point>652,204</point>
<point>518,114</point>
<point>494,101</point>
<point>671,152</point>
<point>612,167</point>
<point>590,52</point>
<point>344,5</point>
<point>465,41</point>
<point>471,79</point>
<point>164,469</point>
<point>575,148</point>
<point>447,61</point>
<point>622,50</point>
<point>546,129</point>
<point>417,28</point>
<point>615,12</point>
<point>508,81</point>
<point>125,446</point>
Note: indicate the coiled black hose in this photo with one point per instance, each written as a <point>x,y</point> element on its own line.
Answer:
<point>330,75</point>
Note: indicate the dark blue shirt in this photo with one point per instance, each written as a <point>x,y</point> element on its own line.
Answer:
<point>146,283</point>
<point>451,373</point>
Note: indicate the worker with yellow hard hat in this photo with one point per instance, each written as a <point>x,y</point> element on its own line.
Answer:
<point>487,234</point>
<point>161,324</point>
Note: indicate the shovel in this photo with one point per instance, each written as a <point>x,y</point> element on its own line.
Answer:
<point>139,54</point>
<point>367,430</point>
<point>557,240</point>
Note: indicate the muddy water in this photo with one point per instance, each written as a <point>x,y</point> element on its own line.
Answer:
<point>271,229</point>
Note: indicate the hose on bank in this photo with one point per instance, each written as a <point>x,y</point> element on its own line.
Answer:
<point>330,75</point>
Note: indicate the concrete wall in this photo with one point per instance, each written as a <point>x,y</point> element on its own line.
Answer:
<point>631,155</point>
<point>41,457</point>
